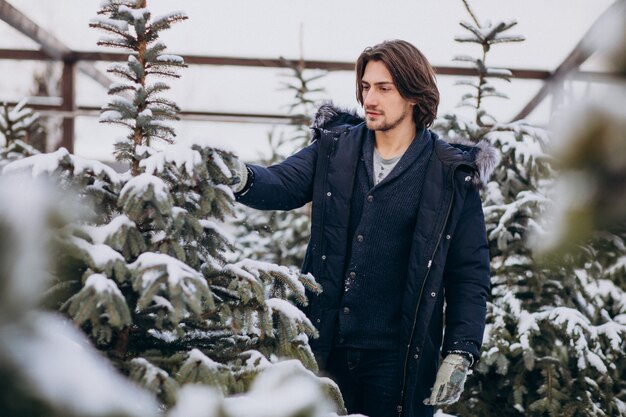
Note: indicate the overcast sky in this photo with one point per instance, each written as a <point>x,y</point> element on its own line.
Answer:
<point>333,30</point>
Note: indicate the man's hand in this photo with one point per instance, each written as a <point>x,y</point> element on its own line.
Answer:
<point>241,176</point>
<point>450,380</point>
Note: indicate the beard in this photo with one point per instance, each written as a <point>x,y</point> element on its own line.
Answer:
<point>385,124</point>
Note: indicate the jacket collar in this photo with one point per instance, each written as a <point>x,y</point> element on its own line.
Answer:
<point>481,156</point>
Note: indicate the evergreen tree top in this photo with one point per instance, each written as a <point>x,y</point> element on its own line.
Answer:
<point>136,103</point>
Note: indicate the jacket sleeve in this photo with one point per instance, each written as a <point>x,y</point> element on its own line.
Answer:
<point>284,186</point>
<point>466,280</point>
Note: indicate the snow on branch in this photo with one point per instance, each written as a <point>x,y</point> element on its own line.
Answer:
<point>296,320</point>
<point>579,329</point>
<point>200,369</point>
<point>119,25</point>
<point>178,155</point>
<point>154,379</point>
<point>101,304</point>
<point>141,14</point>
<point>55,162</point>
<point>121,234</point>
<point>146,190</point>
<point>63,369</point>
<point>160,274</point>
<point>101,258</point>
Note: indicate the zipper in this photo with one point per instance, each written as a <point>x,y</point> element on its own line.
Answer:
<point>419,299</point>
<point>323,208</point>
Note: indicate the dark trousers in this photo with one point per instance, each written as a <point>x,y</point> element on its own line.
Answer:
<point>368,379</point>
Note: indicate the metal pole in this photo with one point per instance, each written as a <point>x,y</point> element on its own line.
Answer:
<point>68,95</point>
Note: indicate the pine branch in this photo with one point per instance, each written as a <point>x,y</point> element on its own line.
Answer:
<point>124,72</point>
<point>163,23</point>
<point>471,13</point>
<point>116,43</point>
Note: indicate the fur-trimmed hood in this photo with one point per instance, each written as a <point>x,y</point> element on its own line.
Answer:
<point>482,155</point>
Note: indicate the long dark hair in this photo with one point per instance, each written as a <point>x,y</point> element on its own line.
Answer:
<point>412,74</point>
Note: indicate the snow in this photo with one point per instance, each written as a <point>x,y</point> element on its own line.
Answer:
<point>198,401</point>
<point>176,270</point>
<point>158,236</point>
<point>139,185</point>
<point>162,123</point>
<point>137,14</point>
<point>614,332</point>
<point>168,16</point>
<point>255,360</point>
<point>607,290</point>
<point>102,284</point>
<point>514,259</point>
<point>171,58</point>
<point>283,389</point>
<point>110,115</point>
<point>101,255</point>
<point>595,361</point>
<point>99,234</point>
<point>238,271</point>
<point>196,355</point>
<point>226,190</point>
<point>164,303</point>
<point>145,113</point>
<point>19,112</point>
<point>218,229</point>
<point>120,25</point>
<point>180,155</point>
<point>125,84</point>
<point>465,58</point>
<point>440,413</point>
<point>49,163</point>
<point>619,264</point>
<point>82,165</point>
<point>24,207</point>
<point>486,32</point>
<point>527,323</point>
<point>580,331</point>
<point>288,310</point>
<point>78,378</point>
<point>509,211</point>
<point>142,150</point>
<point>219,162</point>
<point>122,102</point>
<point>46,163</point>
<point>164,335</point>
<point>499,72</point>
<point>151,371</point>
<point>255,267</point>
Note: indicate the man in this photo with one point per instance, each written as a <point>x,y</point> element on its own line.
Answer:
<point>397,229</point>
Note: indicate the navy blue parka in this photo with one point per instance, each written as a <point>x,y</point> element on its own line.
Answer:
<point>449,255</point>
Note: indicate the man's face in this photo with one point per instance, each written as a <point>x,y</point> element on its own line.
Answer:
<point>384,107</point>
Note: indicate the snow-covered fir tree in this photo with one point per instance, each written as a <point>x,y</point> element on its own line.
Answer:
<point>281,237</point>
<point>145,275</point>
<point>47,367</point>
<point>590,144</point>
<point>19,125</point>
<point>553,339</point>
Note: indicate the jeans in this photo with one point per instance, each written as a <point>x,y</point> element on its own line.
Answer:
<point>369,380</point>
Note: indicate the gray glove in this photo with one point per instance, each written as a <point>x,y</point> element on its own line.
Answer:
<point>241,174</point>
<point>450,380</point>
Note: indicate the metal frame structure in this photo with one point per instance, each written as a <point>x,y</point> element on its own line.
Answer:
<point>54,50</point>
